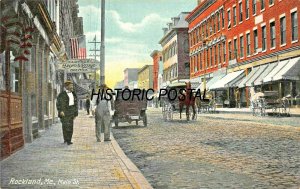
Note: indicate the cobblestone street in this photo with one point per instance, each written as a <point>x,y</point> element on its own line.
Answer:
<point>84,164</point>
<point>216,151</point>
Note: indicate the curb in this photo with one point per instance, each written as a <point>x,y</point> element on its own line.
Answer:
<point>244,112</point>
<point>134,175</point>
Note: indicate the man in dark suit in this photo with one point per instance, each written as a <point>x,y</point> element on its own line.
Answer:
<point>87,105</point>
<point>67,110</point>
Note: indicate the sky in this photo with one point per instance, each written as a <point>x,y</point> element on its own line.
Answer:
<point>133,30</point>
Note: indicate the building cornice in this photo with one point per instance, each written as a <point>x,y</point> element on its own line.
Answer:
<point>199,10</point>
<point>154,53</point>
<point>144,68</point>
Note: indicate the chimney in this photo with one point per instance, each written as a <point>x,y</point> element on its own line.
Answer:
<point>165,30</point>
<point>175,20</point>
<point>169,25</point>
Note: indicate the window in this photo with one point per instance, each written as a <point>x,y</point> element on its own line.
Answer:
<point>223,21</point>
<point>229,50</point>
<point>200,60</point>
<point>206,29</point>
<point>210,26</point>
<point>282,30</point>
<point>294,20</point>
<point>219,20</point>
<point>234,16</point>
<point>229,19</point>
<point>186,46</point>
<point>255,41</point>
<point>3,76</point>
<point>272,34</point>
<point>216,57</point>
<point>220,54</point>
<point>206,62</point>
<point>241,11</point>
<point>224,52</point>
<point>195,63</point>
<point>212,57</point>
<point>235,48</point>
<point>210,60</point>
<point>271,2</point>
<point>214,24</point>
<point>253,7</point>
<point>264,38</point>
<point>241,46</point>
<point>262,4</point>
<point>247,9</point>
<point>187,67</point>
<point>248,44</point>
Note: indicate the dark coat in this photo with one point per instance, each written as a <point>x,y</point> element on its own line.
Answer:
<point>62,105</point>
<point>87,103</point>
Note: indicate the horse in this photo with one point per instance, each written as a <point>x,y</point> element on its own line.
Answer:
<point>257,102</point>
<point>188,100</point>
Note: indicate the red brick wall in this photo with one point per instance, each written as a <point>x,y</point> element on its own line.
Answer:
<point>280,7</point>
<point>156,58</point>
<point>270,12</point>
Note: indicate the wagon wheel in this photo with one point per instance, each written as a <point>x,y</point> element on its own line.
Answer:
<point>285,108</point>
<point>274,110</point>
<point>145,120</point>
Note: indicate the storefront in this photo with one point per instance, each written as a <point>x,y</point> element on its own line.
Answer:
<point>225,89</point>
<point>26,91</point>
<point>282,76</point>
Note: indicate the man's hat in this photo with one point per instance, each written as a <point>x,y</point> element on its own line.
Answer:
<point>68,82</point>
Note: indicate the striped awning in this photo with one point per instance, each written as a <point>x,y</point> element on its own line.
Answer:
<point>291,71</point>
<point>221,84</point>
<point>80,91</point>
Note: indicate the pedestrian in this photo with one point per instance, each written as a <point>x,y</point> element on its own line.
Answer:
<point>67,110</point>
<point>103,116</point>
<point>87,105</point>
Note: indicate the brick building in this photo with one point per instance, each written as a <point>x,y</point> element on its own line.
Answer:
<point>236,45</point>
<point>175,50</point>
<point>157,58</point>
<point>145,77</point>
<point>130,74</point>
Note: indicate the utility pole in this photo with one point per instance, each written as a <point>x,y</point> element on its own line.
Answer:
<point>102,47</point>
<point>95,50</point>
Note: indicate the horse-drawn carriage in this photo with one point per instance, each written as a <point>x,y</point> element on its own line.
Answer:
<point>206,106</point>
<point>262,102</point>
<point>129,109</point>
<point>174,101</point>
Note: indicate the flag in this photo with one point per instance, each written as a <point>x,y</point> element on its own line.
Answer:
<point>78,48</point>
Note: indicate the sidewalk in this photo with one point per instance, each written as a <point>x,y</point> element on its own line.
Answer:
<point>85,164</point>
<point>294,112</point>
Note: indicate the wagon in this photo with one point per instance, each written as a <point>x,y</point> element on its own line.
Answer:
<point>269,100</point>
<point>170,103</point>
<point>208,106</point>
<point>130,110</point>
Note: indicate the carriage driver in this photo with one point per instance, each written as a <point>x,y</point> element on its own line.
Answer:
<point>103,116</point>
